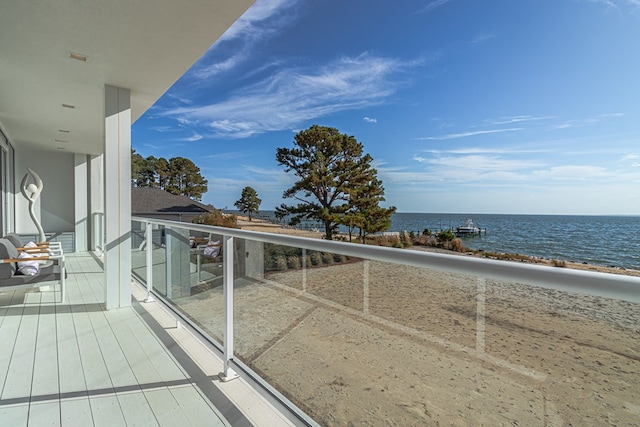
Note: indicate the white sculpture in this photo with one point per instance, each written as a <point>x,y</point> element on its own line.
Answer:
<point>31,192</point>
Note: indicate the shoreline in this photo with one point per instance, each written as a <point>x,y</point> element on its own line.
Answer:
<point>268,227</point>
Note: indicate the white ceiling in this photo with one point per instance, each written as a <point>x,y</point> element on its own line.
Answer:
<point>141,45</point>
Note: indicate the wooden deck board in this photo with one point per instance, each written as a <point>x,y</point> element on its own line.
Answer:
<point>45,364</point>
<point>138,359</point>
<point>9,328</point>
<point>195,407</point>
<point>136,409</point>
<point>17,415</point>
<point>44,414</point>
<point>75,364</point>
<point>76,412</point>
<point>20,369</point>
<point>106,411</point>
<point>168,410</point>
<point>71,374</point>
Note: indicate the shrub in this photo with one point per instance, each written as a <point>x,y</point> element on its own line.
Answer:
<point>281,263</point>
<point>456,245</point>
<point>316,258</point>
<point>446,236</point>
<point>339,258</point>
<point>327,258</point>
<point>294,262</point>
<point>559,263</point>
<point>405,240</point>
<point>217,218</point>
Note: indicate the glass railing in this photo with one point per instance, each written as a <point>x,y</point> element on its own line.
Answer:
<point>360,334</point>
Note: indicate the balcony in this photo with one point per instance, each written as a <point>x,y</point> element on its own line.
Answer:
<point>352,333</point>
<point>77,364</point>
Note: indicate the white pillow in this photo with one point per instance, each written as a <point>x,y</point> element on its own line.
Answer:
<point>213,249</point>
<point>28,268</point>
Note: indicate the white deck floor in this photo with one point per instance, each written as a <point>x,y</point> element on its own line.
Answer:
<point>74,364</point>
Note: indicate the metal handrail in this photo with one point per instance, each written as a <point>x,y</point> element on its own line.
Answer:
<point>616,286</point>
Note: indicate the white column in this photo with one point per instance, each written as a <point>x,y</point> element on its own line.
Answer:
<point>117,200</point>
<point>96,203</point>
<point>80,190</point>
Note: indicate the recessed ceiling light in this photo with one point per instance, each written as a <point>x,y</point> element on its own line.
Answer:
<point>78,56</point>
<point>68,106</point>
<point>64,131</point>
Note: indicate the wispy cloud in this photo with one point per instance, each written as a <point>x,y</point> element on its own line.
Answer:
<point>291,96</point>
<point>574,173</point>
<point>433,5</point>
<point>481,162</point>
<point>618,4</point>
<point>226,156</point>
<point>193,138</point>
<point>517,119</point>
<point>263,17</point>
<point>370,119</point>
<point>569,124</point>
<point>153,146</point>
<point>478,150</point>
<point>484,37</point>
<point>261,21</point>
<point>467,134</point>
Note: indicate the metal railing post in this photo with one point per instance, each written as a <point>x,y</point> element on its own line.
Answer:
<point>365,290</point>
<point>149,248</point>
<point>304,270</point>
<point>227,290</point>
<point>481,291</point>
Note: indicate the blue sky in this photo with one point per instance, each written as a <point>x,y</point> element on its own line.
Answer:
<point>467,106</point>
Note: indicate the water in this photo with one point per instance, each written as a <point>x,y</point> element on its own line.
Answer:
<point>600,240</point>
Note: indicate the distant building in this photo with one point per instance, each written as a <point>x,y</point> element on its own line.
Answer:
<point>159,204</point>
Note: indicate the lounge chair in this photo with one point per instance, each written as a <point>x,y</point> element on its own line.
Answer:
<point>11,279</point>
<point>43,246</point>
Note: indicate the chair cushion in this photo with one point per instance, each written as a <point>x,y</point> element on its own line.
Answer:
<point>15,239</point>
<point>49,273</point>
<point>7,250</point>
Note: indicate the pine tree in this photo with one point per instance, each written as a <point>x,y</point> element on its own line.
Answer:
<point>249,202</point>
<point>177,175</point>
<point>330,166</point>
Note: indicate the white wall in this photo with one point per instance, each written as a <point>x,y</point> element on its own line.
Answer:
<point>55,208</point>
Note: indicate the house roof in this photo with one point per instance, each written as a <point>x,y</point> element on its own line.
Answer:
<point>157,201</point>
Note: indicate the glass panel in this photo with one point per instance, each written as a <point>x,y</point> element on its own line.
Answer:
<point>159,257</point>
<point>353,339</point>
<point>191,277</point>
<point>138,251</point>
<point>3,193</point>
<point>349,339</point>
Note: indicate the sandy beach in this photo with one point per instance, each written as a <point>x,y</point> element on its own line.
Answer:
<point>352,344</point>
